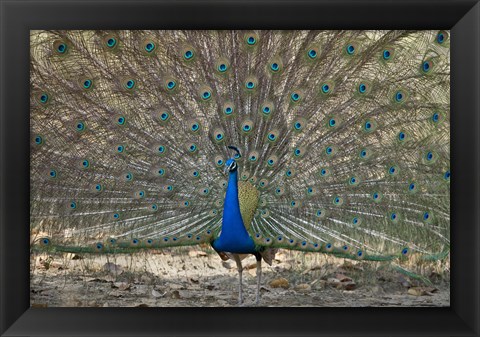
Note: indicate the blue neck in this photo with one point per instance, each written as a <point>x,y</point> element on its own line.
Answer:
<point>234,238</point>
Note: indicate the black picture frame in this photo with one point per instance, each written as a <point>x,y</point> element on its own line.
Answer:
<point>18,17</point>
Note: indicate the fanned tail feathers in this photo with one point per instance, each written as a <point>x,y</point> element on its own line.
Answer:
<point>344,139</point>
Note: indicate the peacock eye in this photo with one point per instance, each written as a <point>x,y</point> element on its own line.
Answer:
<point>446,176</point>
<point>426,66</point>
<point>111,42</point>
<point>149,47</point>
<point>399,96</point>
<point>44,98</point>
<point>61,48</point>
<point>130,84</point>
<point>188,54</point>
<point>251,40</point>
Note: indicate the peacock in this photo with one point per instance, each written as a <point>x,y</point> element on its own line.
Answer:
<point>334,142</point>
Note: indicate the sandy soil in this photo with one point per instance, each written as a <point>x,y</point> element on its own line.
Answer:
<point>198,277</point>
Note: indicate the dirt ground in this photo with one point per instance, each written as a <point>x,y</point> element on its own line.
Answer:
<point>198,277</point>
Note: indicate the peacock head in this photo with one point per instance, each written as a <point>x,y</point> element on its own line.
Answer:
<point>231,164</point>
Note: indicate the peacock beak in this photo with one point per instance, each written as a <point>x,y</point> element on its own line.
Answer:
<point>228,168</point>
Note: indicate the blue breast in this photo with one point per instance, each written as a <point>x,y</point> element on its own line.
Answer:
<point>234,238</point>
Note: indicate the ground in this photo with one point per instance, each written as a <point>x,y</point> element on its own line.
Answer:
<point>197,277</point>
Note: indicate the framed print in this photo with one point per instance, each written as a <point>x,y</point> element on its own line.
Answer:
<point>270,157</point>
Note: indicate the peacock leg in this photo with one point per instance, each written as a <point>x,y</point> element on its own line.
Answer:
<point>240,270</point>
<point>259,277</point>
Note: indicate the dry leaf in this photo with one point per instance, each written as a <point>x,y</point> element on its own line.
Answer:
<point>121,286</point>
<point>343,278</point>
<point>279,283</point>
<point>157,294</point>
<point>333,281</point>
<point>303,288</point>
<point>196,253</point>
